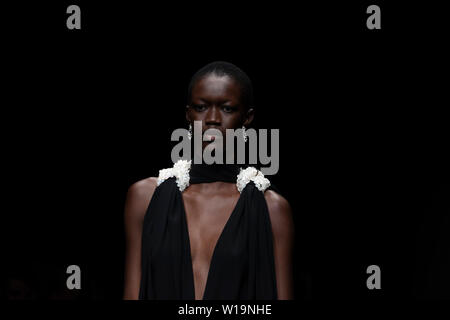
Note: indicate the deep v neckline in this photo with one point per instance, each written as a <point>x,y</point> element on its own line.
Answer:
<point>241,265</point>
<point>221,235</point>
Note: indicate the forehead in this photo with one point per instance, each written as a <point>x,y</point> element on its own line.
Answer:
<point>213,87</point>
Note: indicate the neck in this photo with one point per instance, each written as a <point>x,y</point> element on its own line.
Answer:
<point>201,173</point>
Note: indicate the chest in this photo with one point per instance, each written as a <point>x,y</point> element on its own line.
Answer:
<point>206,215</point>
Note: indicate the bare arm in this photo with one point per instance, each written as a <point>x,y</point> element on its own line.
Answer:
<point>137,201</point>
<point>283,235</point>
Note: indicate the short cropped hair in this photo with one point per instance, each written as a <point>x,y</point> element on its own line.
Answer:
<point>223,68</point>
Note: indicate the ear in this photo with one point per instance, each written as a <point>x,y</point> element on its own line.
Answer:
<point>249,117</point>
<point>187,114</point>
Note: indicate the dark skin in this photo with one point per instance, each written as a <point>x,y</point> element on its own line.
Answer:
<point>216,102</point>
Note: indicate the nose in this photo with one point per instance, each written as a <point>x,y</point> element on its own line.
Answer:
<point>213,117</point>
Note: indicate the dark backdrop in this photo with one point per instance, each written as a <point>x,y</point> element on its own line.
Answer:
<point>361,116</point>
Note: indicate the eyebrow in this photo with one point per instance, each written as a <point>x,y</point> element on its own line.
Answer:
<point>207,101</point>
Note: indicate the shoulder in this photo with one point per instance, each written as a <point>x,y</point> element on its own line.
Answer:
<point>143,187</point>
<point>276,201</point>
<point>280,213</point>
<point>138,197</point>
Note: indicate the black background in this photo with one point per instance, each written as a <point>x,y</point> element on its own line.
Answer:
<point>361,115</point>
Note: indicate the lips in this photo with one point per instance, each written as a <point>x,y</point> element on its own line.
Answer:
<point>211,137</point>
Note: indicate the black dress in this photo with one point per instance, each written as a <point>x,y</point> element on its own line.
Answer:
<point>242,264</point>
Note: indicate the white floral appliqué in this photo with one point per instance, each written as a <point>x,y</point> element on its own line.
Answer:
<point>252,174</point>
<point>181,168</point>
<point>180,171</point>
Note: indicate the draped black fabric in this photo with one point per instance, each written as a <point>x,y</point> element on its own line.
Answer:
<point>242,264</point>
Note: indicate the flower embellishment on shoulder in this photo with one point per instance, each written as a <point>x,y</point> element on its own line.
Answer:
<point>180,171</point>
<point>181,168</point>
<point>252,174</point>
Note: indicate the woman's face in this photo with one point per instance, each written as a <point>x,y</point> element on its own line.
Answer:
<point>216,101</point>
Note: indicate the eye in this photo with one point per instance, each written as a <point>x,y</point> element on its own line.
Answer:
<point>229,109</point>
<point>199,107</point>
